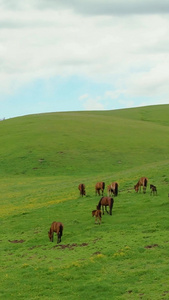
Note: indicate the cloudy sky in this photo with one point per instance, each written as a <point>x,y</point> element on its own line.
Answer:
<point>62,55</point>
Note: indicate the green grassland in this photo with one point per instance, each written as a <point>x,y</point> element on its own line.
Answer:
<point>43,158</point>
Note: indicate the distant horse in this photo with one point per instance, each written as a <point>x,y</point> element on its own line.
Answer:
<point>112,189</point>
<point>153,189</point>
<point>58,228</point>
<point>99,186</point>
<point>81,188</point>
<point>142,182</point>
<point>97,214</point>
<point>106,201</point>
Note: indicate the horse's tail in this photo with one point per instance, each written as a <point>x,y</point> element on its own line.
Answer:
<point>82,189</point>
<point>116,189</point>
<point>96,189</point>
<point>111,205</point>
<point>103,185</point>
<point>145,182</point>
<point>61,230</point>
<point>99,204</point>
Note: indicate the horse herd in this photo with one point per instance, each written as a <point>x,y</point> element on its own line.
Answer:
<point>105,201</point>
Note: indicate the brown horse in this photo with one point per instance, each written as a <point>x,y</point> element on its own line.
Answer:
<point>142,182</point>
<point>113,189</point>
<point>81,188</point>
<point>98,215</point>
<point>58,228</point>
<point>153,189</point>
<point>99,186</point>
<point>106,201</point>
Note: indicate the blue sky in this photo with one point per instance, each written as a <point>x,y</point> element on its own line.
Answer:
<point>93,55</point>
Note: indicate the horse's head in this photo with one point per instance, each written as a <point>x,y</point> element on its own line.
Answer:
<point>136,188</point>
<point>50,235</point>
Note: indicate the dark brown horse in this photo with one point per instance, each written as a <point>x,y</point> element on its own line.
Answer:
<point>81,188</point>
<point>142,182</point>
<point>97,214</point>
<point>112,189</point>
<point>58,228</point>
<point>153,189</point>
<point>106,201</point>
<point>100,186</point>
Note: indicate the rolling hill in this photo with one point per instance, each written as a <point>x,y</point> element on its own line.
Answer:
<point>43,158</point>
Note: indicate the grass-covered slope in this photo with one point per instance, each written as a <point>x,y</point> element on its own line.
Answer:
<point>84,143</point>
<point>43,158</point>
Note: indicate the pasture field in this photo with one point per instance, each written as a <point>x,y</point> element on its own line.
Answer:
<point>43,158</point>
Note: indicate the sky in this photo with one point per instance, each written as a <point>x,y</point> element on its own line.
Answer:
<point>61,55</point>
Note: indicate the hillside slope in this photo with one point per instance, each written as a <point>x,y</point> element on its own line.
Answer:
<point>43,158</point>
<point>104,141</point>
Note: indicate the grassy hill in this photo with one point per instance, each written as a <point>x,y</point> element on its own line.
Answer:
<point>43,158</point>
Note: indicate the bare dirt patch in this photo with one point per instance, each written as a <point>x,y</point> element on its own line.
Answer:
<point>70,246</point>
<point>151,246</point>
<point>165,293</point>
<point>33,247</point>
<point>16,241</point>
<point>97,253</point>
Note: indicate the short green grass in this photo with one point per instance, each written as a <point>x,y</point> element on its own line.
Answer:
<point>43,159</point>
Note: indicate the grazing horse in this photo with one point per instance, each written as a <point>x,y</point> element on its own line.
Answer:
<point>99,186</point>
<point>142,182</point>
<point>98,215</point>
<point>106,201</point>
<point>113,189</point>
<point>58,228</point>
<point>153,189</point>
<point>81,188</point>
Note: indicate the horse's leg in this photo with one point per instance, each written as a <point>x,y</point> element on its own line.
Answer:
<point>52,236</point>
<point>59,238</point>
<point>103,209</point>
<point>106,209</point>
<point>144,189</point>
<point>110,210</point>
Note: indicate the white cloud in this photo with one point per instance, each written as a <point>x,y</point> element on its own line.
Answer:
<point>117,42</point>
<point>114,94</point>
<point>94,7</point>
<point>153,83</point>
<point>90,103</point>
